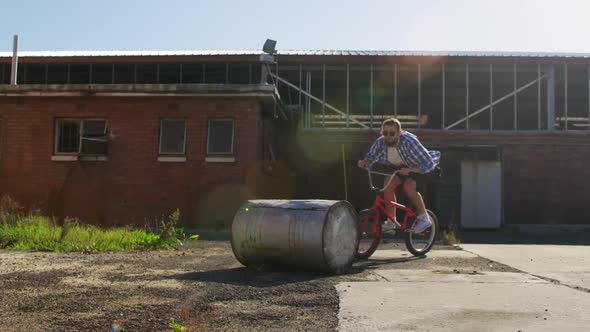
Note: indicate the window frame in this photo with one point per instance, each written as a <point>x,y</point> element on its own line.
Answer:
<point>183,153</point>
<point>80,122</point>
<point>233,134</point>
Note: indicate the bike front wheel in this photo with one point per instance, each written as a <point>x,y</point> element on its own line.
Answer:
<point>420,244</point>
<point>369,233</point>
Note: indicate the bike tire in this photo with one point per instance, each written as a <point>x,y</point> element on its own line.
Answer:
<point>411,238</point>
<point>369,227</point>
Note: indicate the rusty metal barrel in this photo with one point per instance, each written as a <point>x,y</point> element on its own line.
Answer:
<point>319,235</point>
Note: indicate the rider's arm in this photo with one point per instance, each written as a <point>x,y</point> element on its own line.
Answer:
<point>420,156</point>
<point>374,153</point>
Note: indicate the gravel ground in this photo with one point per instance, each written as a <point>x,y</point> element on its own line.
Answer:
<point>202,286</point>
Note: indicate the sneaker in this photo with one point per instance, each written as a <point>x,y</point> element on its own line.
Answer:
<point>422,223</point>
<point>389,226</point>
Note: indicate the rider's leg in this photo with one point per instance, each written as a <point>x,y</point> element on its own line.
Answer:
<point>414,196</point>
<point>389,194</point>
<point>422,221</point>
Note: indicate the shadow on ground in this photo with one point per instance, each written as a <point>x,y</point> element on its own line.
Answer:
<point>261,277</point>
<point>371,264</point>
<point>270,276</point>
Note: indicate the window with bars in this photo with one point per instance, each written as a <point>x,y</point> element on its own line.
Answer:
<point>81,136</point>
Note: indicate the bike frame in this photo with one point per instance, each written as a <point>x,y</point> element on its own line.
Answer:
<point>379,203</point>
<point>379,208</point>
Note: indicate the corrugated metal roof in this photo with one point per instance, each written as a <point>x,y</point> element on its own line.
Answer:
<point>296,53</point>
<point>434,53</point>
<point>128,53</point>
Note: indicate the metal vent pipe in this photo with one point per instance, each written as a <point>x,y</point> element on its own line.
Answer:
<point>14,60</point>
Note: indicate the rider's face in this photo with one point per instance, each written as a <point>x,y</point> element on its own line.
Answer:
<point>390,134</point>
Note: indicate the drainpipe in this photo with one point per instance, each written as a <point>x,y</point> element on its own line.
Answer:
<point>14,60</point>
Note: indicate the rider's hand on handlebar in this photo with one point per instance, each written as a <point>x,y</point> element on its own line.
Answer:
<point>405,171</point>
<point>362,164</point>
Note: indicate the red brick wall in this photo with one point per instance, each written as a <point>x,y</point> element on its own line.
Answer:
<point>132,187</point>
<point>546,184</point>
<point>546,178</point>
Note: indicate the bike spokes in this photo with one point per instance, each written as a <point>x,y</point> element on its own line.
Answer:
<point>369,234</point>
<point>420,243</point>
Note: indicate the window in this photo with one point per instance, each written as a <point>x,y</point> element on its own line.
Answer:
<point>101,73</point>
<point>79,74</point>
<point>220,139</point>
<point>57,74</point>
<point>147,73</point>
<point>81,137</point>
<point>172,136</point>
<point>124,73</point>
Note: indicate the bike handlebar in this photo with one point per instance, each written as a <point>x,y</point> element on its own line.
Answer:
<point>391,176</point>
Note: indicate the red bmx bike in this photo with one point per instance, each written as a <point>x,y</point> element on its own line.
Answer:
<point>370,223</point>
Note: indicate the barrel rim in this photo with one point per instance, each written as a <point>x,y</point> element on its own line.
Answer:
<point>348,264</point>
<point>238,257</point>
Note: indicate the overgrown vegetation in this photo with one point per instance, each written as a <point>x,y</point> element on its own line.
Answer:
<point>175,326</point>
<point>22,231</point>
<point>449,236</point>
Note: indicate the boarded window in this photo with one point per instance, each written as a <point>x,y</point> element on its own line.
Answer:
<point>172,136</point>
<point>81,136</point>
<point>220,136</point>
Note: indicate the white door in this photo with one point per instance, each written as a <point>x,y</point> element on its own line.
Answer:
<point>481,195</point>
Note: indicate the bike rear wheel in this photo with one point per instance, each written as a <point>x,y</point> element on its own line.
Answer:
<point>420,244</point>
<point>369,233</point>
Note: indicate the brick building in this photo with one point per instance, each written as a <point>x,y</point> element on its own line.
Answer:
<point>124,137</point>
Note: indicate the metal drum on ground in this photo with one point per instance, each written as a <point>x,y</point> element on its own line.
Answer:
<point>319,235</point>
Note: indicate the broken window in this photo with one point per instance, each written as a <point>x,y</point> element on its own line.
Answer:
<point>220,137</point>
<point>81,136</point>
<point>172,136</point>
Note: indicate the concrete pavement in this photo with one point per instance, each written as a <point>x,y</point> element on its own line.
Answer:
<point>568,265</point>
<point>436,299</point>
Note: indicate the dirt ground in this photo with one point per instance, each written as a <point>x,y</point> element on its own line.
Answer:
<point>202,286</point>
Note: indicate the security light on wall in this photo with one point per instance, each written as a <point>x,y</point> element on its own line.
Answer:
<point>269,50</point>
<point>269,46</point>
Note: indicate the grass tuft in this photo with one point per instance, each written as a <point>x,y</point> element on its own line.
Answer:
<point>175,326</point>
<point>449,236</point>
<point>29,232</point>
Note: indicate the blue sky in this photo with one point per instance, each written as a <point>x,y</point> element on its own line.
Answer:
<point>432,25</point>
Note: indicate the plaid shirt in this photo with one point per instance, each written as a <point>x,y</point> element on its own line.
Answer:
<point>412,152</point>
